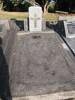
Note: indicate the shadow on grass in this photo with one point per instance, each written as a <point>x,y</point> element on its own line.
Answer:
<point>4,76</point>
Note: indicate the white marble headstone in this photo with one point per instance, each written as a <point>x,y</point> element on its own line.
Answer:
<point>35,19</point>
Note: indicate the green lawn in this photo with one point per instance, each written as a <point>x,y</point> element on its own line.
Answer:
<point>23,15</point>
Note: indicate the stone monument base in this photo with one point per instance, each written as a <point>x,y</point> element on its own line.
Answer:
<point>39,65</point>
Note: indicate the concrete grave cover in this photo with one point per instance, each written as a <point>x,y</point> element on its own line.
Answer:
<point>69,28</point>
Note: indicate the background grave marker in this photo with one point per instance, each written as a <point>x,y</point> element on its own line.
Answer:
<point>69,29</point>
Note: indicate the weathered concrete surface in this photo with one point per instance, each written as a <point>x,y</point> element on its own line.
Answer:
<point>8,36</point>
<point>11,37</point>
<point>5,22</point>
<point>70,95</point>
<point>70,42</point>
<point>39,65</point>
<point>9,30</point>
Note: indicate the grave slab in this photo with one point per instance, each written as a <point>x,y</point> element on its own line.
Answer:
<point>70,43</point>
<point>39,65</point>
<point>66,29</point>
<point>69,28</point>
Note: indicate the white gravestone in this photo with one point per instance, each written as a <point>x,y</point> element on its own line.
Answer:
<point>69,29</point>
<point>35,19</point>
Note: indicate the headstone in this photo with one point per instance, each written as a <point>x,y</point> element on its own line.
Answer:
<point>69,29</point>
<point>7,36</point>
<point>35,19</point>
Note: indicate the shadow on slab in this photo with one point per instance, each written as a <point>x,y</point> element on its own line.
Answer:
<point>4,76</point>
<point>58,28</point>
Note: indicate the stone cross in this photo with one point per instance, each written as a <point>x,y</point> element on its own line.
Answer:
<point>35,19</point>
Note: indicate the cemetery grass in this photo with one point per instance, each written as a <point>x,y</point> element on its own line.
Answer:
<point>23,15</point>
<point>51,17</point>
<point>13,15</point>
